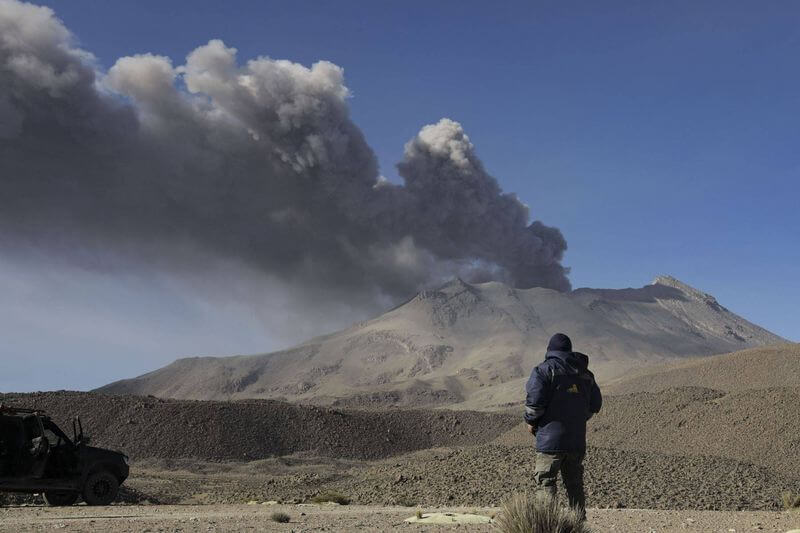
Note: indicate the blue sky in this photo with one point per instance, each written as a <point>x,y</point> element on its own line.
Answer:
<point>660,137</point>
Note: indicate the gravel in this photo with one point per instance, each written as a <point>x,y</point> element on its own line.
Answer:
<point>479,475</point>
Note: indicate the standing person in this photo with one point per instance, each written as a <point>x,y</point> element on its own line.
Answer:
<point>561,396</point>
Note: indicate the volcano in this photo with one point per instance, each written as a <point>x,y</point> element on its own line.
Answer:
<point>467,346</point>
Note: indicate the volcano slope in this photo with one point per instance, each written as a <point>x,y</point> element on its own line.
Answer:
<point>464,345</point>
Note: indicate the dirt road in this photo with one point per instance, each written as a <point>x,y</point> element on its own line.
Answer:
<point>307,518</point>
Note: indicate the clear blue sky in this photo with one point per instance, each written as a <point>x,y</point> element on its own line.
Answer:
<point>661,137</point>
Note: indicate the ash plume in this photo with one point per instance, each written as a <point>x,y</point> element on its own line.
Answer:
<point>255,162</point>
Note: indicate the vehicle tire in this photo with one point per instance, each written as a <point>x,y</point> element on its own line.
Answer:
<point>60,498</point>
<point>100,488</point>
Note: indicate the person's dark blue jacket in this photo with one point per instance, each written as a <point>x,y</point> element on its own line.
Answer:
<point>561,396</point>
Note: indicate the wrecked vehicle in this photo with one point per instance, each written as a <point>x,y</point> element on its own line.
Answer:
<point>37,457</point>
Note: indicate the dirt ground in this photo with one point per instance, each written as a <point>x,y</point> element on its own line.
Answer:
<point>481,476</point>
<point>307,518</point>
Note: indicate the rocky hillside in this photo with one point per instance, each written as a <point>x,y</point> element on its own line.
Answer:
<point>758,368</point>
<point>256,429</point>
<point>471,345</point>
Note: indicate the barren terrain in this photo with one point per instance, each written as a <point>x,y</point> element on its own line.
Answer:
<point>767,367</point>
<point>704,441</point>
<point>307,518</point>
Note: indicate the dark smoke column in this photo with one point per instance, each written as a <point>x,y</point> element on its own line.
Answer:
<point>458,210</point>
<point>256,163</point>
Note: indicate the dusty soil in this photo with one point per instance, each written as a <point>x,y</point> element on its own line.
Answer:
<point>307,518</point>
<point>480,475</point>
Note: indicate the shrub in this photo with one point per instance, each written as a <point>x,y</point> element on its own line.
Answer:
<point>527,514</point>
<point>791,501</point>
<point>283,518</point>
<point>331,497</point>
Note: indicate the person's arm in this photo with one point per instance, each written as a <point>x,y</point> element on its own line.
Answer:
<point>595,400</point>
<point>538,397</point>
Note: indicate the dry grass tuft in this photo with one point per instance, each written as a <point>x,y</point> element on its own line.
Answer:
<point>419,514</point>
<point>526,514</point>
<point>282,518</point>
<point>791,501</point>
<point>331,496</point>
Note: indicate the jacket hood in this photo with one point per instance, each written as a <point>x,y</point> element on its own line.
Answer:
<point>559,342</point>
<point>576,361</point>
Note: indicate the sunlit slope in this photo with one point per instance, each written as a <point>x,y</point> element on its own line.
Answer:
<point>472,345</point>
<point>758,368</point>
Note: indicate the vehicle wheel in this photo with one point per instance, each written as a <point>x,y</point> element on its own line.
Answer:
<point>100,488</point>
<point>60,498</point>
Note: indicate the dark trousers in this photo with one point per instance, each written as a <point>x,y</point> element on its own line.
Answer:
<point>548,465</point>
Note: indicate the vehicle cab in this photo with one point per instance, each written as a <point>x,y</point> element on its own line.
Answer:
<point>37,456</point>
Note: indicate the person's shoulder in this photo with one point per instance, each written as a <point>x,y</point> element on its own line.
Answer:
<point>584,360</point>
<point>548,367</point>
<point>588,374</point>
<point>539,370</point>
<point>582,356</point>
<point>547,363</point>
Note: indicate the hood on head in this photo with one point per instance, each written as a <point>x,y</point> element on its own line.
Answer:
<point>559,343</point>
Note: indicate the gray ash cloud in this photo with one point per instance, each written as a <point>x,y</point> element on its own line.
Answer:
<point>255,162</point>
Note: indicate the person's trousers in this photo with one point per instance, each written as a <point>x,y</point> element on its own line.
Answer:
<point>548,465</point>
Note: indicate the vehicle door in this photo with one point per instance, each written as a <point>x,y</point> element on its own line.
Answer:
<point>36,446</point>
<point>63,459</point>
